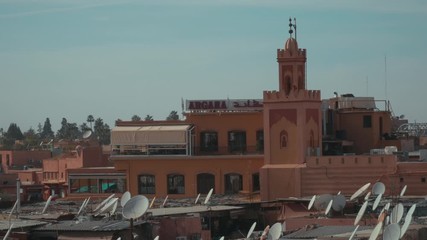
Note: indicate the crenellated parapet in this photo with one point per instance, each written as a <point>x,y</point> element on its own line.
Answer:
<point>293,96</point>
<point>284,53</point>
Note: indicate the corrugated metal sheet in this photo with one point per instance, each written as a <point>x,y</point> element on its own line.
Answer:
<point>324,231</point>
<point>89,226</point>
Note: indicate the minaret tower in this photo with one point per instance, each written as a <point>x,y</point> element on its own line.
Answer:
<point>292,124</point>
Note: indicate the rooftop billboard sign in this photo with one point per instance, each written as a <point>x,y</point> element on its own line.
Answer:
<point>224,105</point>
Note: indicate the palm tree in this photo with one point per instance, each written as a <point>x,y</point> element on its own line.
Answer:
<point>90,120</point>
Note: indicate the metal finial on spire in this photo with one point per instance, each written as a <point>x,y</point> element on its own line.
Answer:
<point>295,28</point>
<point>290,27</point>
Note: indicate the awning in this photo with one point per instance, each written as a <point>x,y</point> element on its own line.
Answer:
<point>149,135</point>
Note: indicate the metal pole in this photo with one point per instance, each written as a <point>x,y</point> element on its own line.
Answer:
<point>18,195</point>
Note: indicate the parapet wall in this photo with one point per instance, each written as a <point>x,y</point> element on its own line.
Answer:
<point>282,53</point>
<point>293,96</point>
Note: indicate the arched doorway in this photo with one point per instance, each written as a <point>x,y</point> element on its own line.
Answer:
<point>205,181</point>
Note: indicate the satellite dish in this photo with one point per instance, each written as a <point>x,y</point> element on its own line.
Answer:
<point>339,193</point>
<point>164,201</point>
<point>135,207</point>
<point>410,212</point>
<point>13,208</point>
<point>397,213</point>
<point>125,197</point>
<point>392,232</point>
<point>322,201</point>
<point>197,198</point>
<point>87,134</point>
<point>311,202</point>
<point>82,206</point>
<point>103,202</point>
<point>360,191</point>
<point>353,233</point>
<point>339,203</point>
<point>328,208</point>
<point>405,226</point>
<point>251,230</point>
<point>8,232</point>
<point>376,231</point>
<point>378,188</point>
<point>387,206</point>
<point>367,196</point>
<point>108,206</point>
<point>360,213</point>
<point>403,191</point>
<point>377,201</point>
<point>275,231</point>
<point>87,202</point>
<point>113,209</point>
<point>47,204</point>
<point>208,196</point>
<point>152,202</point>
<point>222,238</point>
<point>156,238</point>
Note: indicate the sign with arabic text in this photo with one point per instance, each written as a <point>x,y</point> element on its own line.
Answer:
<point>224,105</point>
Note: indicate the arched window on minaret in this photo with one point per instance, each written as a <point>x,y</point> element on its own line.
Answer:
<point>300,82</point>
<point>288,84</point>
<point>283,139</point>
<point>312,139</point>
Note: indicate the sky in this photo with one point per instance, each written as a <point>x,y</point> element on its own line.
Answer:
<point>114,59</point>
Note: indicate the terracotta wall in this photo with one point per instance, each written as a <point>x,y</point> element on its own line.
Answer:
<point>161,166</point>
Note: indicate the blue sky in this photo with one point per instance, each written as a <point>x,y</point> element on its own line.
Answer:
<point>114,59</point>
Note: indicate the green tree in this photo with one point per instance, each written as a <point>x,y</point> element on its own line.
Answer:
<point>102,131</point>
<point>47,130</point>
<point>13,133</point>
<point>68,130</point>
<point>31,138</point>
<point>136,118</point>
<point>90,120</point>
<point>173,115</point>
<point>84,127</point>
<point>148,118</point>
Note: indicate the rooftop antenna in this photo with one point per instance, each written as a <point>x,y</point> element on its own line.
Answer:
<point>290,27</point>
<point>385,77</point>
<point>295,28</point>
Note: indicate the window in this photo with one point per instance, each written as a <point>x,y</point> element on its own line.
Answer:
<point>367,121</point>
<point>146,184</point>
<point>97,185</point>
<point>176,184</point>
<point>401,179</point>
<point>1,159</point>
<point>283,139</point>
<point>255,182</point>
<point>237,141</point>
<point>205,181</point>
<point>233,183</point>
<point>209,141</point>
<point>260,141</point>
<point>423,179</point>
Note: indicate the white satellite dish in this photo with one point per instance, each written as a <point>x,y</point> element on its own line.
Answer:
<point>13,208</point>
<point>87,134</point>
<point>378,188</point>
<point>156,238</point>
<point>405,226</point>
<point>152,202</point>
<point>392,232</point>
<point>47,204</point>
<point>310,204</point>
<point>108,206</point>
<point>275,231</point>
<point>387,206</point>
<point>114,208</point>
<point>339,203</point>
<point>376,231</point>
<point>125,197</point>
<point>251,230</point>
<point>410,211</point>
<point>367,196</point>
<point>103,202</point>
<point>360,213</point>
<point>81,207</point>
<point>328,208</point>
<point>377,201</point>
<point>353,233</point>
<point>360,191</point>
<point>135,207</point>
<point>222,238</point>
<point>322,201</point>
<point>339,193</point>
<point>197,198</point>
<point>8,232</point>
<point>87,202</point>
<point>208,196</point>
<point>164,201</point>
<point>403,191</point>
<point>397,213</point>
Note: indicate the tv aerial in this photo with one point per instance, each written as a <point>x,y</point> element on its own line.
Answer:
<point>251,230</point>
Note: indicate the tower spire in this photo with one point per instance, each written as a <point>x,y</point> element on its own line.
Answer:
<point>292,27</point>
